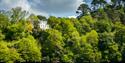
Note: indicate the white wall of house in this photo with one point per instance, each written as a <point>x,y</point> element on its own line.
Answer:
<point>43,25</point>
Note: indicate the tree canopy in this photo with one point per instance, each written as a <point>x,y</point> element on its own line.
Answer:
<point>97,35</point>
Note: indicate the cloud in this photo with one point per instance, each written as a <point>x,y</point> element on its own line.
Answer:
<point>7,4</point>
<point>55,6</point>
<point>72,16</point>
<point>108,1</point>
<point>44,7</point>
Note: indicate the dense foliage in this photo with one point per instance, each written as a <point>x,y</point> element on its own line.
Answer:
<point>96,36</point>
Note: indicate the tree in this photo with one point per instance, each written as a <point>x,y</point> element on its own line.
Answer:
<point>2,36</point>
<point>86,24</point>
<point>54,22</point>
<point>89,48</point>
<point>28,49</point>
<point>120,40</point>
<point>15,31</point>
<point>98,4</point>
<point>42,17</point>
<point>83,9</point>
<point>103,26</point>
<point>118,2</point>
<point>109,48</point>
<point>7,54</point>
<point>17,14</point>
<point>4,21</point>
<point>34,27</point>
<point>53,46</point>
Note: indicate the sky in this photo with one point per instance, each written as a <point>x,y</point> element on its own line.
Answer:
<point>59,8</point>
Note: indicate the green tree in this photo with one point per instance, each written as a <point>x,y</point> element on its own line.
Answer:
<point>15,31</point>
<point>109,48</point>
<point>53,46</point>
<point>28,49</point>
<point>86,24</point>
<point>7,54</point>
<point>83,10</point>
<point>89,48</point>
<point>54,22</point>
<point>103,26</point>
<point>42,17</point>
<point>17,14</point>
<point>2,36</point>
<point>98,3</point>
<point>120,39</point>
<point>4,21</point>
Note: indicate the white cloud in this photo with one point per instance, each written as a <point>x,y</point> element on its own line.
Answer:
<point>23,4</point>
<point>55,6</point>
<point>72,16</point>
<point>43,7</point>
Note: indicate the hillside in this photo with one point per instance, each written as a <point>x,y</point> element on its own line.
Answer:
<point>97,35</point>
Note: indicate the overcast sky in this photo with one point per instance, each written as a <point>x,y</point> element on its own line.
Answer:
<point>60,8</point>
<point>44,7</point>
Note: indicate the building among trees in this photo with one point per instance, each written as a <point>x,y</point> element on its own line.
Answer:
<point>43,25</point>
